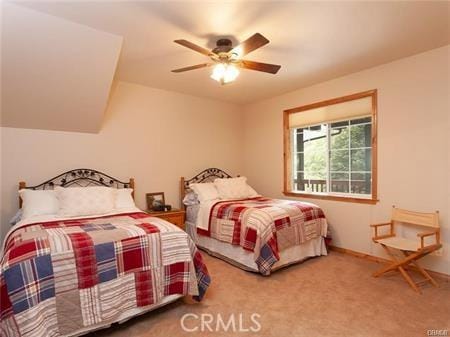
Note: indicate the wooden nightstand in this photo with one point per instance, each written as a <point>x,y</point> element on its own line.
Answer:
<point>175,216</point>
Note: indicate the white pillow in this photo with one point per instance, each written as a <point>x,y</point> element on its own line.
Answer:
<point>205,191</point>
<point>80,201</point>
<point>38,202</point>
<point>124,198</point>
<point>232,188</point>
<point>251,192</point>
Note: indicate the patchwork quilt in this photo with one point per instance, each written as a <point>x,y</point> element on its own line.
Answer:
<point>265,226</point>
<point>62,276</point>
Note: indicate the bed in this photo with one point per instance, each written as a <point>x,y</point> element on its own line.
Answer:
<point>66,275</point>
<point>255,233</point>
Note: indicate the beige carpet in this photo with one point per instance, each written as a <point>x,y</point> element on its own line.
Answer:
<point>327,296</point>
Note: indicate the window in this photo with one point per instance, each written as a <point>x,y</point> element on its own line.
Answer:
<point>330,149</point>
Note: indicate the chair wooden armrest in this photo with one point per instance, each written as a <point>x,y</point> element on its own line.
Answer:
<point>375,227</point>
<point>423,235</point>
<point>380,224</point>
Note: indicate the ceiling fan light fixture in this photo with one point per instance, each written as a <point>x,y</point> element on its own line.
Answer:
<point>237,52</point>
<point>225,73</point>
<point>227,60</point>
<point>218,72</point>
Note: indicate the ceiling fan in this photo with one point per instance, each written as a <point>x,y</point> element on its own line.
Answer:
<point>227,59</point>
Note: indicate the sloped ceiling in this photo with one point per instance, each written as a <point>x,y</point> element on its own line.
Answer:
<point>56,74</point>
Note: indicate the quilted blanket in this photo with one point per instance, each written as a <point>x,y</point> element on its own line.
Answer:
<point>62,276</point>
<point>265,226</point>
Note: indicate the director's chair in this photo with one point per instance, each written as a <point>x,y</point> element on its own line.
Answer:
<point>412,250</point>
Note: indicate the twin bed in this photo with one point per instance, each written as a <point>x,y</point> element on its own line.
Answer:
<point>253,233</point>
<point>77,265</point>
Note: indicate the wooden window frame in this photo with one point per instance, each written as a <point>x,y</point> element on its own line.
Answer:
<point>287,189</point>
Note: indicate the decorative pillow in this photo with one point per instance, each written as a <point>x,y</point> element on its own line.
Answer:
<point>80,201</point>
<point>205,191</point>
<point>124,198</point>
<point>16,218</point>
<point>38,202</point>
<point>232,188</point>
<point>251,192</point>
<point>190,199</point>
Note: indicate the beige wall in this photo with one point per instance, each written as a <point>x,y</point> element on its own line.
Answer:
<point>413,156</point>
<point>153,135</point>
<point>157,136</point>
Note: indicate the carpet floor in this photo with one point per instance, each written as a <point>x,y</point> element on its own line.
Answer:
<point>333,295</point>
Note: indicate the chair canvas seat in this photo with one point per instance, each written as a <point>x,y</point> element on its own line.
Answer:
<point>411,250</point>
<point>400,243</point>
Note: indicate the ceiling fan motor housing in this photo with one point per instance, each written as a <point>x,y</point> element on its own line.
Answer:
<point>223,46</point>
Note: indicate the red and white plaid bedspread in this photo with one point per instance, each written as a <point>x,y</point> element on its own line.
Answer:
<point>59,277</point>
<point>265,226</point>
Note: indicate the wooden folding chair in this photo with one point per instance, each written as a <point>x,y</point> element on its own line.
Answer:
<point>412,250</point>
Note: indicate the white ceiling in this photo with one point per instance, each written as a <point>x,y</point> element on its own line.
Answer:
<point>313,41</point>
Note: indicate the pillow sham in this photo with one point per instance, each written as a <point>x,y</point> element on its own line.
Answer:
<point>124,198</point>
<point>79,201</point>
<point>232,188</point>
<point>235,188</point>
<point>38,202</point>
<point>205,191</point>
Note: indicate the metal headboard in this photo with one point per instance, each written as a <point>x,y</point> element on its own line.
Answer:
<point>205,176</point>
<point>79,177</point>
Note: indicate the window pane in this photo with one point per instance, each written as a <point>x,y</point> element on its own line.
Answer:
<point>339,182</point>
<point>315,145</point>
<point>339,138</point>
<point>311,183</point>
<point>317,175</point>
<point>299,136</point>
<point>361,120</point>
<point>299,161</point>
<point>361,160</point>
<point>299,181</point>
<point>316,182</point>
<point>339,160</point>
<point>361,135</point>
<point>339,124</point>
<point>361,183</point>
<point>316,128</point>
<point>346,154</point>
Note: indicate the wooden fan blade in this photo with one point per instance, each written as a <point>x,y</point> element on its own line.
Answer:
<point>252,43</point>
<point>195,47</point>
<point>197,66</point>
<point>258,66</point>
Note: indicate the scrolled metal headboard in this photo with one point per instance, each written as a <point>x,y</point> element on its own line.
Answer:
<point>79,177</point>
<point>205,176</point>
